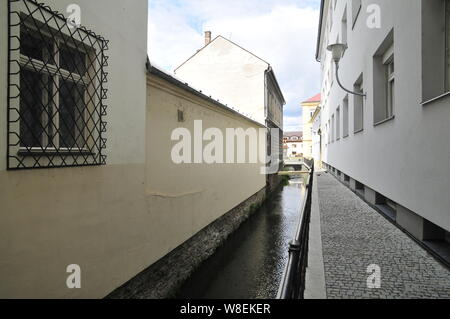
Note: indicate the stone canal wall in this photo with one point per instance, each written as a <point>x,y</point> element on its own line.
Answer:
<point>164,278</point>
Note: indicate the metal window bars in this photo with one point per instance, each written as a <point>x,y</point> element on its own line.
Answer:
<point>56,90</point>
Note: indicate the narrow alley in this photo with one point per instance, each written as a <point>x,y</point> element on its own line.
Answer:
<point>355,236</point>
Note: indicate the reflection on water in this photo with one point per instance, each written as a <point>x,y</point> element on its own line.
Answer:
<point>252,261</point>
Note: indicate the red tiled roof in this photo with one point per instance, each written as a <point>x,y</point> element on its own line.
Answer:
<point>315,98</point>
<point>291,134</point>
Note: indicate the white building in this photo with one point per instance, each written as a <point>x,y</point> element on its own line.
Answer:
<point>241,80</point>
<point>392,145</point>
<point>293,142</point>
<point>237,78</point>
<point>316,126</point>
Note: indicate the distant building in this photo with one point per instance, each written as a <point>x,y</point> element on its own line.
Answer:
<point>317,129</point>
<point>309,108</point>
<point>239,79</point>
<point>293,144</point>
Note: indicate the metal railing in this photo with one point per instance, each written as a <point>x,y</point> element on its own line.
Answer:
<point>293,281</point>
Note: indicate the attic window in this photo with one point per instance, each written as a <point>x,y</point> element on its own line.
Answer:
<point>56,90</point>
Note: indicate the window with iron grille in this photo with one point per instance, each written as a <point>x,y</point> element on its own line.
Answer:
<point>56,95</point>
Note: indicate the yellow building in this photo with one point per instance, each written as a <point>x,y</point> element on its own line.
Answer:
<point>309,107</point>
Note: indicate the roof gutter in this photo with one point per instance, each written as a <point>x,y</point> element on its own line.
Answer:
<point>274,79</point>
<point>319,34</point>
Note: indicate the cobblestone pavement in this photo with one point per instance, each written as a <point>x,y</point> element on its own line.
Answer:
<point>355,236</point>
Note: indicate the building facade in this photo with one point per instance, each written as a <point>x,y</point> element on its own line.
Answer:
<point>241,80</point>
<point>309,108</point>
<point>293,144</point>
<point>391,144</point>
<point>86,175</point>
<point>316,122</point>
<point>236,77</point>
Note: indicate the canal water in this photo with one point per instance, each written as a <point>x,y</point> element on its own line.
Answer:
<point>251,263</point>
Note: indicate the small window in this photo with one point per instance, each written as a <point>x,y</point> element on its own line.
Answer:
<point>56,98</point>
<point>435,49</point>
<point>384,81</point>
<point>180,114</point>
<point>390,87</point>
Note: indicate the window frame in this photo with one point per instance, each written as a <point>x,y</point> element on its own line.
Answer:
<point>384,83</point>
<point>56,73</point>
<point>435,48</point>
<point>44,146</point>
<point>390,87</point>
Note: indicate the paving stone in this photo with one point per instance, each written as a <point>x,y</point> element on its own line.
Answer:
<point>355,236</point>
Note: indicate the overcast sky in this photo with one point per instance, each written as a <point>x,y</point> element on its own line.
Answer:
<point>282,32</point>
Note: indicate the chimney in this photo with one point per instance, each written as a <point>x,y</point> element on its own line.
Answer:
<point>207,37</point>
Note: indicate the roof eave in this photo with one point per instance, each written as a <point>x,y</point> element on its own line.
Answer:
<point>275,81</point>
<point>319,34</point>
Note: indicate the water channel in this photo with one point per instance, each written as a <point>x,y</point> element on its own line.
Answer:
<point>251,263</point>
